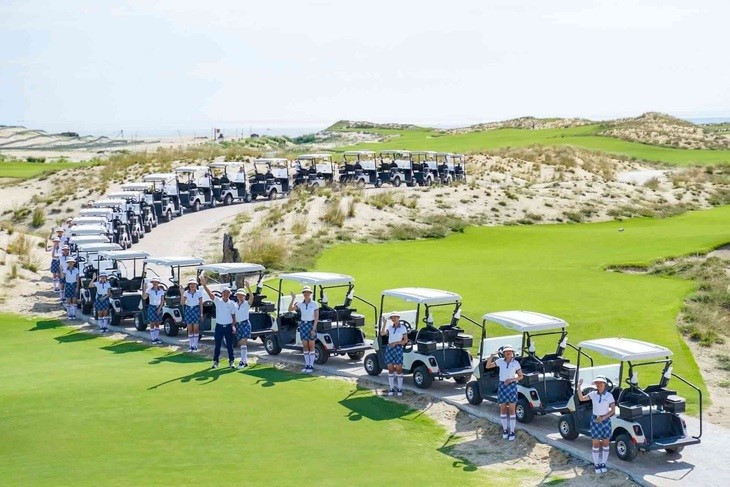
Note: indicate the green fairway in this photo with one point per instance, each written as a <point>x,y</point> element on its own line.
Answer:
<point>554,269</point>
<point>84,410</point>
<point>585,137</point>
<point>25,170</point>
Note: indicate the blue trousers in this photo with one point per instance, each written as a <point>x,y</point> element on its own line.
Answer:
<point>221,332</point>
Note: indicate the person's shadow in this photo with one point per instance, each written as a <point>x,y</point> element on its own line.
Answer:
<point>202,377</point>
<point>270,376</point>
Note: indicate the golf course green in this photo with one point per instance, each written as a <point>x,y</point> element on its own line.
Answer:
<point>553,269</point>
<point>79,409</point>
<point>25,170</point>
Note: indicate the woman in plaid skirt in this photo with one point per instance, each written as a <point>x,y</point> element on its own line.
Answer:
<point>101,303</point>
<point>510,372</point>
<point>55,261</point>
<point>397,334</point>
<point>244,301</point>
<point>604,406</point>
<point>192,304</point>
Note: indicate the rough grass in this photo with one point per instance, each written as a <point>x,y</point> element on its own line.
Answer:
<point>333,213</point>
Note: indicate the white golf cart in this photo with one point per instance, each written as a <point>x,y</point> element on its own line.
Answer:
<point>136,208</point>
<point>126,283</point>
<point>648,417</point>
<point>231,275</point>
<point>172,318</point>
<point>194,187</point>
<point>338,328</point>
<point>425,167</point>
<point>126,213</point>
<point>547,384</point>
<point>270,178</point>
<point>93,230</point>
<point>229,182</point>
<point>89,220</point>
<point>432,352</point>
<point>165,197</point>
<point>314,170</point>
<point>396,167</point>
<point>359,168</point>
<point>75,241</point>
<point>144,194</point>
<point>450,167</point>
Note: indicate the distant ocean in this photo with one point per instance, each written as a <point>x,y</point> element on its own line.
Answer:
<point>704,120</point>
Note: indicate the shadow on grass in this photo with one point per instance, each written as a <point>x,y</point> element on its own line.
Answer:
<point>202,377</point>
<point>270,376</point>
<point>46,325</point>
<point>177,358</point>
<point>124,347</point>
<point>74,336</point>
<point>363,404</point>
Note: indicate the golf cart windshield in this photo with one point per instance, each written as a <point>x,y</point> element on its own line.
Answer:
<point>354,156</point>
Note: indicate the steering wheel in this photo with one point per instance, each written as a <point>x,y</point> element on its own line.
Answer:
<point>289,315</point>
<point>408,347</point>
<point>500,352</point>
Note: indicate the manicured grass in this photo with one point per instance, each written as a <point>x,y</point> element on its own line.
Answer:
<point>84,410</point>
<point>585,137</point>
<point>26,170</point>
<point>554,269</point>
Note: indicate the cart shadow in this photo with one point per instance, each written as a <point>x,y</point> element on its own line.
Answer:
<point>46,325</point>
<point>125,347</point>
<point>177,358</point>
<point>74,337</point>
<point>270,376</point>
<point>363,404</point>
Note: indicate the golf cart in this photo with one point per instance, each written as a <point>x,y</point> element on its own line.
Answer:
<point>136,207</point>
<point>125,213</point>
<point>425,167</point>
<point>143,193</point>
<point>95,230</point>
<point>229,182</point>
<point>89,220</point>
<point>359,168</point>
<point>314,170</point>
<point>450,167</point>
<point>396,167</point>
<point>261,320</point>
<point>194,187</point>
<point>338,328</point>
<point>165,197</point>
<point>647,418</point>
<point>126,283</point>
<point>172,318</point>
<point>74,242</point>
<point>88,263</point>
<point>547,384</point>
<point>270,178</point>
<point>432,352</point>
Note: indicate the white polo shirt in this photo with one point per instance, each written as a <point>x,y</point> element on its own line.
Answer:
<point>601,402</point>
<point>507,370</point>
<point>307,309</point>
<point>242,311</point>
<point>55,252</point>
<point>193,299</point>
<point>224,311</point>
<point>396,334</point>
<point>156,296</point>
<point>62,259</point>
<point>102,288</point>
<point>70,275</point>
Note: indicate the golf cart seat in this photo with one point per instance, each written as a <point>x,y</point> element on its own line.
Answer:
<point>130,301</point>
<point>129,285</point>
<point>327,313</point>
<point>412,335</point>
<point>259,321</point>
<point>173,296</point>
<point>343,312</point>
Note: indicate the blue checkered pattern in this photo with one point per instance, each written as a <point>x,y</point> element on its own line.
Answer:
<point>69,290</point>
<point>55,265</point>
<point>101,304</point>
<point>394,355</point>
<point>191,314</point>
<point>243,330</point>
<point>305,330</point>
<point>153,315</point>
<point>507,393</point>
<point>602,430</point>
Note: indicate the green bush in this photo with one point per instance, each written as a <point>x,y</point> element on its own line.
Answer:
<point>38,219</point>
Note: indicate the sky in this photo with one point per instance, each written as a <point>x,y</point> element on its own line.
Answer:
<point>100,65</point>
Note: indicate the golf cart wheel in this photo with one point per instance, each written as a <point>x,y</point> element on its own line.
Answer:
<point>396,181</point>
<point>86,308</point>
<point>626,449</point>
<point>139,323</point>
<point>372,365</point>
<point>321,354</point>
<point>422,377</point>
<point>135,238</point>
<point>228,199</point>
<point>523,411</point>
<point>674,450</point>
<point>254,196</point>
<point>378,183</point>
<point>566,427</point>
<point>271,344</point>
<point>356,355</point>
<point>148,228</point>
<point>461,379</point>
<point>114,318</point>
<point>196,205</point>
<point>168,216</point>
<point>272,194</point>
<point>472,393</point>
<point>248,198</point>
<point>170,326</point>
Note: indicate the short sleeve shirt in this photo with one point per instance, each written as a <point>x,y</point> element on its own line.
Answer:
<point>601,402</point>
<point>507,370</point>
<point>307,309</point>
<point>396,334</point>
<point>102,288</point>
<point>55,252</point>
<point>156,296</point>
<point>224,311</point>
<point>62,260</point>
<point>71,275</point>
<point>193,299</point>
<point>242,311</point>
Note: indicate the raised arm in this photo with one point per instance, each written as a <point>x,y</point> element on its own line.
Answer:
<point>490,361</point>
<point>204,282</point>
<point>579,391</point>
<point>292,302</point>
<point>250,294</point>
<point>383,328</point>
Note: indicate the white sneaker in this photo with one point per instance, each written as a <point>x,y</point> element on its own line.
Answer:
<point>304,370</point>
<point>391,392</point>
<point>505,434</point>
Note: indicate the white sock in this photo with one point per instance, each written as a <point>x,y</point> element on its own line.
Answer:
<point>391,381</point>
<point>512,423</point>
<point>152,333</point>
<point>157,333</point>
<point>68,310</point>
<point>107,320</point>
<point>190,341</point>
<point>196,340</point>
<point>100,322</point>
<point>73,310</point>
<point>596,456</point>
<point>244,354</point>
<point>311,359</point>
<point>55,284</point>
<point>306,359</point>
<point>399,379</point>
<point>505,422</point>
<point>604,457</point>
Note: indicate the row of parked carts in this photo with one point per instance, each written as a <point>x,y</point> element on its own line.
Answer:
<point>439,347</point>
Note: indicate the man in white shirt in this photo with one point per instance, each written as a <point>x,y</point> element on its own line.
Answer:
<point>510,372</point>
<point>156,297</point>
<point>225,316</point>
<point>604,406</point>
<point>309,310</point>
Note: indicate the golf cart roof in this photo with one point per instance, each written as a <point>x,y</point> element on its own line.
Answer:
<point>175,261</point>
<point>359,153</point>
<point>226,164</point>
<point>444,153</point>
<point>314,156</point>
<point>159,176</point>
<point>273,161</point>
<point>121,194</point>
<point>233,268</point>
<point>424,152</point>
<point>422,295</point>
<point>395,151</point>
<point>89,220</point>
<point>98,247</point>
<point>95,211</point>
<point>626,349</point>
<point>190,169</point>
<point>88,239</point>
<point>109,202</point>
<point>88,229</point>
<point>135,186</point>
<point>318,278</point>
<point>525,321</point>
<point>124,254</point>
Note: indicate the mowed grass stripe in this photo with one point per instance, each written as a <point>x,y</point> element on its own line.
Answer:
<point>27,170</point>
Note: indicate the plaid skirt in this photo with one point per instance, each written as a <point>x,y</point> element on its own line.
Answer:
<point>602,430</point>
<point>243,330</point>
<point>101,304</point>
<point>153,316</point>
<point>69,290</point>
<point>305,330</point>
<point>55,265</point>
<point>394,355</point>
<point>191,314</point>
<point>507,393</point>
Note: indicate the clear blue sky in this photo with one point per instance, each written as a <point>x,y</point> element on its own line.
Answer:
<point>190,63</point>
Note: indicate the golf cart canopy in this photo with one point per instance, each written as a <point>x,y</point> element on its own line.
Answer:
<point>359,153</point>
<point>312,157</point>
<point>135,186</point>
<point>161,176</point>
<point>95,229</point>
<point>233,268</point>
<point>190,169</point>
<point>123,254</point>
<point>105,212</point>
<point>422,295</point>
<point>98,247</point>
<point>90,220</point>
<point>88,239</point>
<point>424,153</point>
<point>274,162</point>
<point>226,164</point>
<point>108,203</point>
<point>122,194</point>
<point>525,321</point>
<point>174,261</point>
<point>318,278</point>
<point>626,349</point>
<point>395,152</point>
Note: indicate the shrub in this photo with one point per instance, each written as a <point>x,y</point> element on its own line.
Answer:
<point>38,219</point>
<point>351,205</point>
<point>652,183</point>
<point>299,227</point>
<point>333,214</point>
<point>20,245</point>
<point>382,200</point>
<point>262,247</point>
<point>19,214</point>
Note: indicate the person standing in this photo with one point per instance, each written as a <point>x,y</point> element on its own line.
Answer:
<point>102,303</point>
<point>309,310</point>
<point>225,316</point>
<point>244,301</point>
<point>72,281</point>
<point>63,264</point>
<point>397,334</point>
<point>192,304</point>
<point>510,372</point>
<point>604,406</point>
<point>55,262</point>
<point>156,296</point>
